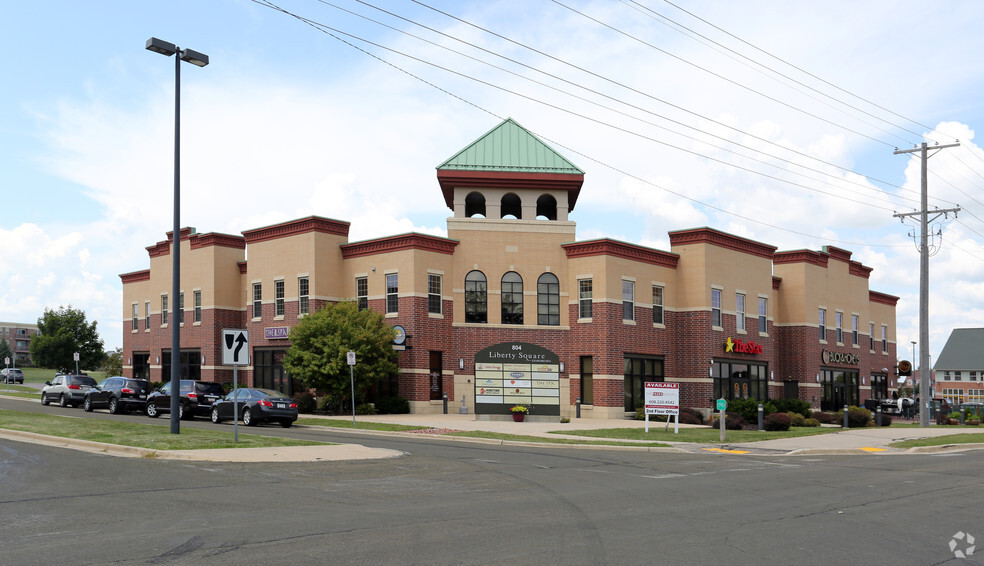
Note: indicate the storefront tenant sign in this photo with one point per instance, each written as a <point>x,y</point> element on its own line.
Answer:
<point>276,332</point>
<point>517,373</point>
<point>830,357</point>
<point>742,347</point>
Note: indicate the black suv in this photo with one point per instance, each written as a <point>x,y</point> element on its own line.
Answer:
<point>196,398</point>
<point>119,394</point>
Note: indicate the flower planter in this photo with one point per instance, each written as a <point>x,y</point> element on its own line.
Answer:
<point>518,417</point>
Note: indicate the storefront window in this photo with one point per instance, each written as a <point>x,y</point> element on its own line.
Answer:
<point>840,387</point>
<point>639,370</point>
<point>739,380</point>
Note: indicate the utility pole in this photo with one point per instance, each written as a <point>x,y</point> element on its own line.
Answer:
<point>924,220</point>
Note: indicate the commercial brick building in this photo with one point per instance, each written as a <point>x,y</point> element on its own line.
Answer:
<point>511,307</point>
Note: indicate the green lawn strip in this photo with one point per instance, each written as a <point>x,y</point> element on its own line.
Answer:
<point>40,375</point>
<point>156,437</point>
<point>968,438</point>
<point>542,439</point>
<point>20,391</point>
<point>700,435</point>
<point>360,425</point>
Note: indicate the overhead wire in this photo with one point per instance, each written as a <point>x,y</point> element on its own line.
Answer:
<point>334,33</point>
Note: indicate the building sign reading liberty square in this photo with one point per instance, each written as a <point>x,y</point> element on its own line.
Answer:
<point>517,373</point>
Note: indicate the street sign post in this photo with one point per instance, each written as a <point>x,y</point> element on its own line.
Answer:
<point>235,353</point>
<point>351,364</point>
<point>722,406</point>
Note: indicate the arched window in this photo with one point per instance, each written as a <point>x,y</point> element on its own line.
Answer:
<point>546,207</point>
<point>476,297</point>
<point>475,205</point>
<point>511,205</point>
<point>548,300</point>
<point>512,298</point>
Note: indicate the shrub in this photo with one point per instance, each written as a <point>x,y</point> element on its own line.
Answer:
<point>565,419</point>
<point>886,420</point>
<point>748,408</point>
<point>810,422</point>
<point>796,419</point>
<point>857,417</point>
<point>942,418</point>
<point>306,403</point>
<point>393,406</point>
<point>796,406</point>
<point>826,418</point>
<point>777,421</point>
<point>365,409</point>
<point>691,416</point>
<point>330,405</point>
<point>732,421</point>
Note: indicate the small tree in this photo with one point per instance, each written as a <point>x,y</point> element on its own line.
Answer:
<point>113,364</point>
<point>63,332</point>
<point>320,343</point>
<point>5,351</point>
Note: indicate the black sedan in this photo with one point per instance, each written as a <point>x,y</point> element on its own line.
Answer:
<point>256,406</point>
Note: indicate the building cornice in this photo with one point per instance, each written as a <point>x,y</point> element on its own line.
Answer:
<point>722,240</point>
<point>623,250</point>
<point>135,276</point>
<point>801,256</point>
<point>413,241</point>
<point>296,227</point>
<point>216,239</point>
<point>882,298</point>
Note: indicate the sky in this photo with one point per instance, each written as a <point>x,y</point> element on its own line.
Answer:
<point>774,121</point>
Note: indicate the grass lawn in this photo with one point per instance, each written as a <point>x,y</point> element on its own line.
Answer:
<point>342,423</point>
<point>704,435</point>
<point>156,437</point>
<point>40,375</point>
<point>968,438</point>
<point>542,439</point>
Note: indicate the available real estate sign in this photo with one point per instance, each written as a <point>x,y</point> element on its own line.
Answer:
<point>662,398</point>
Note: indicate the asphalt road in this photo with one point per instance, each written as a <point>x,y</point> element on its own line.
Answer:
<point>458,503</point>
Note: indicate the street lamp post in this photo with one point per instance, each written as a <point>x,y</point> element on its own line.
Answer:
<point>199,59</point>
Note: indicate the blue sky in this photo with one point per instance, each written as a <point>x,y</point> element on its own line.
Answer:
<point>288,121</point>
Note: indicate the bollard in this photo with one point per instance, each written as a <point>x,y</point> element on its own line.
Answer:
<point>761,417</point>
<point>445,403</point>
<point>878,415</point>
<point>463,409</point>
<point>961,417</point>
<point>577,407</point>
<point>846,410</point>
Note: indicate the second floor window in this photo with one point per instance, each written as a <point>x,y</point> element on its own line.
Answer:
<point>163,310</point>
<point>822,323</point>
<point>278,297</point>
<point>740,311</point>
<point>871,336</point>
<point>198,306</point>
<point>854,330</point>
<point>839,320</point>
<point>392,293</point>
<point>628,300</point>
<point>136,319</point>
<point>362,292</point>
<point>303,298</point>
<point>434,294</point>
<point>763,315</point>
<point>584,298</point>
<point>512,298</point>
<point>476,297</point>
<point>147,316</point>
<point>884,339</point>
<point>716,308</point>
<point>657,304</point>
<point>257,300</point>
<point>548,300</point>
<point>181,308</point>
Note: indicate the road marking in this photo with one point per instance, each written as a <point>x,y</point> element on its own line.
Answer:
<point>870,449</point>
<point>726,451</point>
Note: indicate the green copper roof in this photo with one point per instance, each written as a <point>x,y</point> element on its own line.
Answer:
<point>509,147</point>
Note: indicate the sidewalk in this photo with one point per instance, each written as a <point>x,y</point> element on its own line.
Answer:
<point>844,442</point>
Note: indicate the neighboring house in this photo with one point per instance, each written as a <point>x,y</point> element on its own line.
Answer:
<point>511,307</point>
<point>959,369</point>
<point>18,335</point>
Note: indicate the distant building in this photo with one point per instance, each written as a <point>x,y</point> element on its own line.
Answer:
<point>511,308</point>
<point>18,335</point>
<point>959,369</point>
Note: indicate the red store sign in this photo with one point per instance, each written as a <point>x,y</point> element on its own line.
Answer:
<point>742,347</point>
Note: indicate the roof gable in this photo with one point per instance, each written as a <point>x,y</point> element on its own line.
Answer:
<point>962,350</point>
<point>509,147</point>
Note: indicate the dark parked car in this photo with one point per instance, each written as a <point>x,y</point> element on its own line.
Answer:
<point>67,389</point>
<point>118,394</point>
<point>256,406</point>
<point>196,398</point>
<point>11,375</point>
